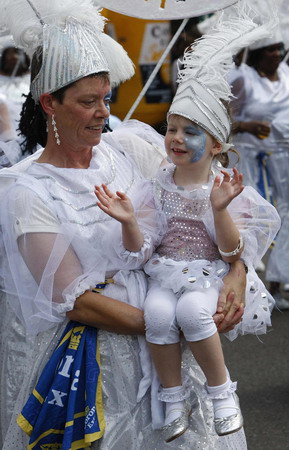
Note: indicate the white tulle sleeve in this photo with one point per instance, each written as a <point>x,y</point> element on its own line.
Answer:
<point>257,221</point>
<point>40,266</point>
<point>143,144</point>
<point>152,223</point>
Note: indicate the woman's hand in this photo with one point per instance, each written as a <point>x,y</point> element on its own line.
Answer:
<point>230,308</point>
<point>223,191</point>
<point>260,129</point>
<point>116,205</point>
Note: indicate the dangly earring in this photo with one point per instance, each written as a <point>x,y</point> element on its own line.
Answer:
<point>55,130</point>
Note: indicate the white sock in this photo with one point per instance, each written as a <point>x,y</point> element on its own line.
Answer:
<point>223,407</point>
<point>173,409</point>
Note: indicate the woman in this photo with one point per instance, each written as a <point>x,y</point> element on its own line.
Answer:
<point>52,233</point>
<point>261,90</point>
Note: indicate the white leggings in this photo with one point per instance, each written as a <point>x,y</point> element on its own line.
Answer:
<point>165,314</point>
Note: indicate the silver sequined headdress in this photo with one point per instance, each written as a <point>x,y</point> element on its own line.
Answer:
<point>71,38</point>
<point>202,84</point>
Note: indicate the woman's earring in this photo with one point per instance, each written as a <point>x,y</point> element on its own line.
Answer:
<point>55,130</point>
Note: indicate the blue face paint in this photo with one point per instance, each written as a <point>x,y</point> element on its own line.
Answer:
<point>195,141</point>
<point>107,99</point>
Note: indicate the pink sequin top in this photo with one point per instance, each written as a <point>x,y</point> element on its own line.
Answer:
<point>187,238</point>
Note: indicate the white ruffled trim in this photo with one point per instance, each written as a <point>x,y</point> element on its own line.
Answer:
<point>183,393</point>
<point>225,394</point>
<point>83,285</point>
<point>126,254</point>
<point>191,275</point>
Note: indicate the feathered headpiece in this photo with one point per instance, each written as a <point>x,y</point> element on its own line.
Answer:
<point>70,36</point>
<point>262,6</point>
<point>202,79</point>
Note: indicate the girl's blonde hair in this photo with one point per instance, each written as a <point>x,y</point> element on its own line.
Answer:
<point>224,157</point>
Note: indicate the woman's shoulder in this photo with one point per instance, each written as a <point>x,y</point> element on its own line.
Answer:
<point>142,144</point>
<point>19,181</point>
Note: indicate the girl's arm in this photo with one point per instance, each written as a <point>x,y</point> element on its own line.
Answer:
<point>227,234</point>
<point>119,207</point>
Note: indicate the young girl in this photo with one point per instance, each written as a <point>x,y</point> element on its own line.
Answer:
<point>212,220</point>
<point>186,271</point>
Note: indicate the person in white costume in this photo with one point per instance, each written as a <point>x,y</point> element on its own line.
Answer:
<point>14,82</point>
<point>14,85</point>
<point>260,108</point>
<point>211,221</point>
<point>52,232</point>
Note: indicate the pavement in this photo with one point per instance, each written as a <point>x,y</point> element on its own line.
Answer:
<point>261,367</point>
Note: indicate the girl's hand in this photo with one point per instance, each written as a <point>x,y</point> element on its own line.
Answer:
<point>116,205</point>
<point>224,191</point>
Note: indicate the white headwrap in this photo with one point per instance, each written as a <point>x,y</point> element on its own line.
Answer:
<point>276,35</point>
<point>71,35</point>
<point>202,77</point>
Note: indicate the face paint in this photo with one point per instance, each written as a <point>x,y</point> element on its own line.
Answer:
<point>107,99</point>
<point>195,141</point>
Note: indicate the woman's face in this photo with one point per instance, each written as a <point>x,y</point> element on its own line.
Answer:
<point>81,116</point>
<point>186,142</point>
<point>271,57</point>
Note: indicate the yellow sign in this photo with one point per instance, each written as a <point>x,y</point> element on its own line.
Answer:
<point>144,41</point>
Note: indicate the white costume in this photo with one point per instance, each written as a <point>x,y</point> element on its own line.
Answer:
<point>69,223</point>
<point>53,236</point>
<point>13,89</point>
<point>258,98</point>
<point>188,260</point>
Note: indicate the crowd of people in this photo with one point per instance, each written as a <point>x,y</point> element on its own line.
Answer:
<point>125,253</point>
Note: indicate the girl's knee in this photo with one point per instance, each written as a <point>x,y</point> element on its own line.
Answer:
<point>195,318</point>
<point>159,327</point>
<point>160,319</point>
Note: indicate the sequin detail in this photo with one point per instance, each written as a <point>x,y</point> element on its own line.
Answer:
<point>187,238</point>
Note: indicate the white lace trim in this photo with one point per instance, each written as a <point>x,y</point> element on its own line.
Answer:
<point>124,253</point>
<point>182,394</point>
<point>80,288</point>
<point>228,390</point>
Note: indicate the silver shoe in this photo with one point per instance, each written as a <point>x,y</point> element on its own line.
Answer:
<point>178,426</point>
<point>230,424</point>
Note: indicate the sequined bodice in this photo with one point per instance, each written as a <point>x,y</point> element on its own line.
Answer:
<point>187,237</point>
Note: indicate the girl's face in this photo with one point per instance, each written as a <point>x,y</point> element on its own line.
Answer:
<point>186,143</point>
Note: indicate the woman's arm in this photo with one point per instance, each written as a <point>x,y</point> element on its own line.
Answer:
<point>90,308</point>
<point>108,314</point>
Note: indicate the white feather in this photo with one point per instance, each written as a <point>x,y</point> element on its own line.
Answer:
<point>121,67</point>
<point>19,18</point>
<point>211,57</point>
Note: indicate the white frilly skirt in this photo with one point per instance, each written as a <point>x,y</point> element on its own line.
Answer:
<point>201,274</point>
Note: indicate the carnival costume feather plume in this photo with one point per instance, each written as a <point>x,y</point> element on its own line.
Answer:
<point>202,85</point>
<point>71,36</point>
<point>211,56</point>
<point>23,18</point>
